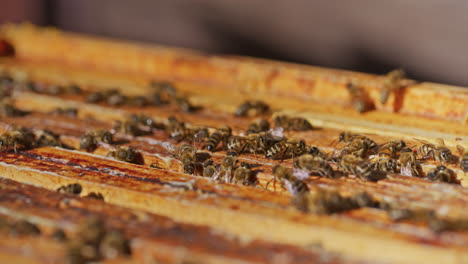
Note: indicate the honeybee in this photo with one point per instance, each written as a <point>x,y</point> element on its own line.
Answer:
<point>394,146</point>
<point>286,149</point>
<point>114,97</point>
<point>241,144</point>
<point>244,175</point>
<point>359,99</point>
<point>178,131</point>
<point>164,92</point>
<point>187,155</point>
<point>7,109</point>
<point>209,168</point>
<point>147,121</point>
<point>69,111</point>
<point>184,104</point>
<point>442,174</point>
<point>391,84</point>
<point>252,108</point>
<point>464,158</point>
<point>315,164</point>
<point>73,188</point>
<point>23,227</point>
<point>95,97</point>
<point>409,166</point>
<point>257,126</point>
<point>438,152</point>
<point>220,135</point>
<point>114,244</point>
<point>293,123</point>
<point>321,201</point>
<point>89,141</point>
<point>20,137</point>
<point>316,152</point>
<point>128,127</point>
<point>358,147</point>
<point>126,154</point>
<point>348,137</point>
<point>93,195</point>
<point>386,165</point>
<point>48,138</point>
<point>286,177</point>
<point>359,167</point>
<point>138,101</point>
<point>227,167</point>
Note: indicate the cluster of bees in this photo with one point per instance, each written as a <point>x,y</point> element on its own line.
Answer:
<point>19,227</point>
<point>27,138</point>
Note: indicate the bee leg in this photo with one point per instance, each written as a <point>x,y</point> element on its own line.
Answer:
<point>14,147</point>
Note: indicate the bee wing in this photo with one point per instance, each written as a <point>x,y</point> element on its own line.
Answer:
<point>300,173</point>
<point>289,187</point>
<point>173,149</point>
<point>406,170</point>
<point>440,142</point>
<point>424,142</point>
<point>277,132</point>
<point>460,149</point>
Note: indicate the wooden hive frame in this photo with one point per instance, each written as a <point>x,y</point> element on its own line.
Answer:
<point>238,213</point>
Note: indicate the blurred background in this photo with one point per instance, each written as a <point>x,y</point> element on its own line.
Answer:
<point>428,39</point>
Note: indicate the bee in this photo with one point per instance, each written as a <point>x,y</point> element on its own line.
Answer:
<point>241,144</point>
<point>114,97</point>
<point>321,201</point>
<point>358,147</point>
<point>89,141</point>
<point>359,98</point>
<point>95,97</point>
<point>138,101</point>
<point>209,168</point>
<point>164,92</point>
<point>220,135</point>
<point>187,155</point>
<point>244,175</point>
<point>267,139</point>
<point>394,146</point>
<point>184,104</point>
<point>7,109</point>
<point>252,108</point>
<point>48,138</point>
<point>293,123</point>
<point>286,149</point>
<point>409,166</point>
<point>69,111</point>
<point>386,165</point>
<point>126,154</point>
<point>147,121</point>
<point>93,195</point>
<point>128,127</point>
<point>464,158</point>
<point>316,152</point>
<point>438,151</point>
<point>178,131</point>
<point>391,84</point>
<point>442,174</point>
<point>359,167</point>
<point>257,126</point>
<point>227,167</point>
<point>114,244</point>
<point>23,227</point>
<point>348,137</point>
<point>286,176</point>
<point>74,188</point>
<point>315,164</point>
<point>20,137</point>
<point>59,235</point>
